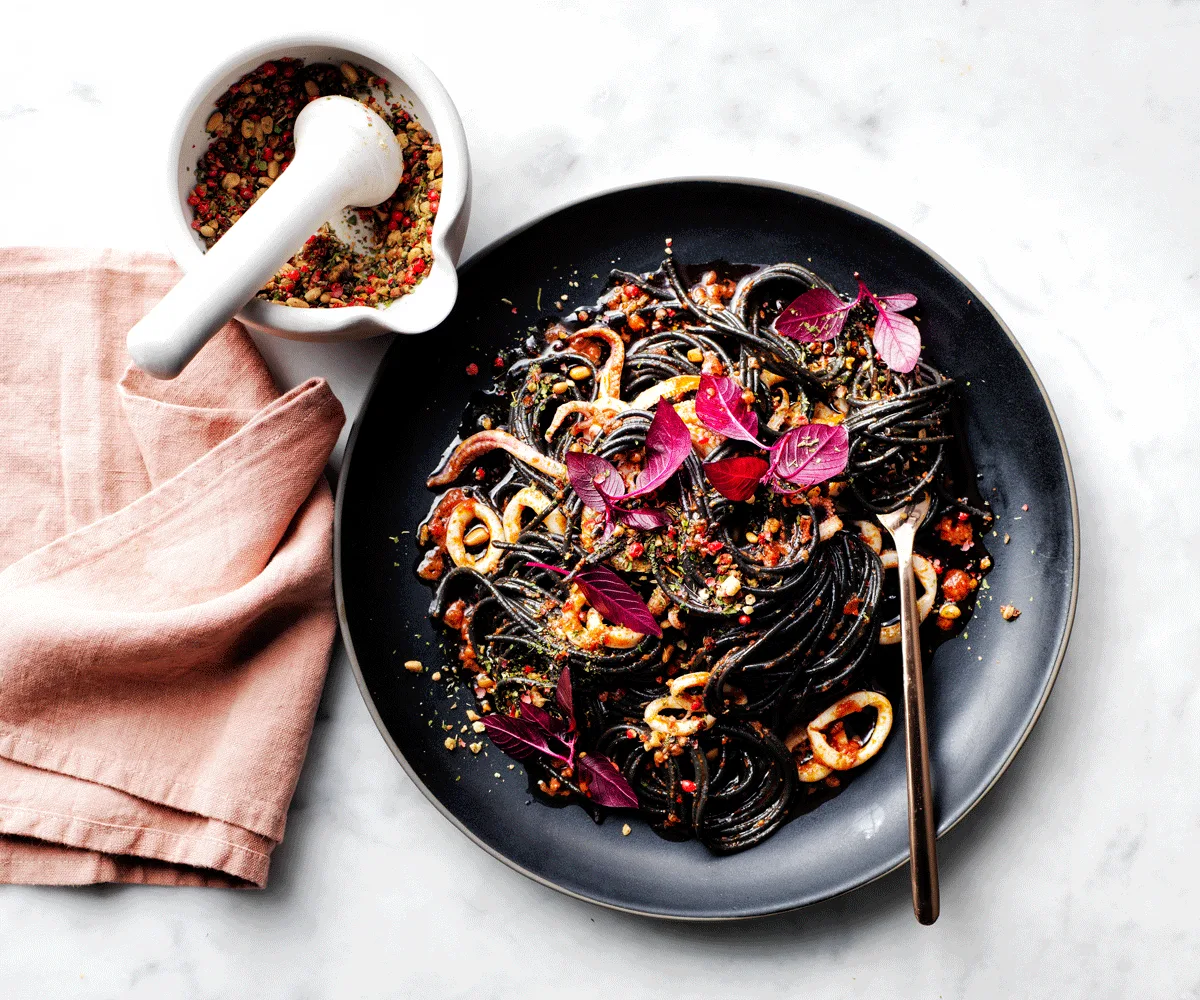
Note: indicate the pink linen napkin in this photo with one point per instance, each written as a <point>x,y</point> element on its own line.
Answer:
<point>166,612</point>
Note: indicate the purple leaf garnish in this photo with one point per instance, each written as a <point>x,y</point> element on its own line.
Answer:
<point>900,302</point>
<point>594,479</point>
<point>615,599</point>
<point>811,454</point>
<point>816,315</point>
<point>600,486</point>
<point>612,597</point>
<point>564,696</point>
<point>897,340</point>
<point>896,337</point>
<point>536,732</point>
<point>736,478</point>
<point>540,717</point>
<point>644,519</point>
<point>523,738</point>
<point>668,444</point>
<point>606,784</point>
<point>721,408</point>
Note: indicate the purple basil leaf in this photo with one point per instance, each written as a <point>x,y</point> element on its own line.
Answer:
<point>816,315</point>
<point>898,303</point>
<point>811,454</point>
<point>564,696</point>
<point>594,479</point>
<point>615,599</point>
<point>522,739</point>
<point>606,784</point>
<point>646,519</point>
<point>668,444</point>
<point>736,478</point>
<point>895,337</point>
<point>897,340</point>
<point>543,719</point>
<point>720,408</point>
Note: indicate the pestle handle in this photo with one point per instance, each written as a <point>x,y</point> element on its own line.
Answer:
<point>345,155</point>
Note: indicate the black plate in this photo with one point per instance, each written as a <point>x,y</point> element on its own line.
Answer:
<point>985,691</point>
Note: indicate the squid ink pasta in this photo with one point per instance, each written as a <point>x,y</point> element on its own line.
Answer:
<point>654,552</point>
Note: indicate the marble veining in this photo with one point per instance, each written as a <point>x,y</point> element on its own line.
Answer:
<point>1050,153</point>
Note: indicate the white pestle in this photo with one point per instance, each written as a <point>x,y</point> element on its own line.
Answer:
<point>345,155</point>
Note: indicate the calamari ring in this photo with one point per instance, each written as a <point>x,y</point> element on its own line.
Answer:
<point>869,532</point>
<point>811,770</point>
<point>681,683</point>
<point>591,631</point>
<point>456,527</point>
<point>839,760</point>
<point>668,725</point>
<point>923,570</point>
<point>608,381</point>
<point>485,441</point>
<point>530,498</point>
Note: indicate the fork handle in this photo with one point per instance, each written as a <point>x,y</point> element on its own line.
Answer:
<point>922,838</point>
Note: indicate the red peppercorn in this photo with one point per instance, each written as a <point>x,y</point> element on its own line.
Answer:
<point>472,369</point>
<point>743,619</point>
<point>631,734</point>
<point>635,549</point>
<point>393,226</point>
<point>963,515</point>
<point>688,785</point>
<point>714,547</point>
<point>246,193</point>
<point>418,266</point>
<point>269,69</point>
<point>267,152</point>
<point>196,223</point>
<point>498,363</point>
<point>193,200</point>
<point>293,274</point>
<point>479,474</point>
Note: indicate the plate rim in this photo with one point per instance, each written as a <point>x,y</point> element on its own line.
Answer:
<point>946,827</point>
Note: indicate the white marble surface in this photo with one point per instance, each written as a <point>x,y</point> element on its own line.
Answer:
<point>1051,155</point>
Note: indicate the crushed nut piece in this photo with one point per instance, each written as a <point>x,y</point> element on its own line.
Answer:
<point>450,742</point>
<point>626,830</point>
<point>413,666</point>
<point>1008,612</point>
